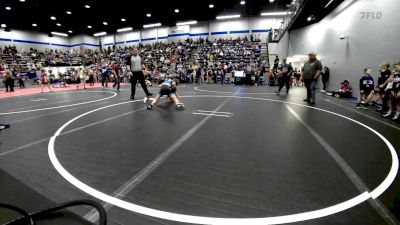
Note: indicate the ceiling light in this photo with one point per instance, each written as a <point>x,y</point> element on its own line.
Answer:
<point>34,25</point>
<point>100,34</point>
<point>242,2</point>
<point>105,23</point>
<point>8,8</point>
<point>176,10</point>
<point>124,29</point>
<point>87,6</point>
<point>123,19</point>
<point>310,18</point>
<point>228,17</point>
<point>59,34</point>
<point>186,23</point>
<point>90,27</point>
<point>275,13</point>
<point>3,25</point>
<point>271,1</point>
<point>53,18</point>
<point>328,3</point>
<point>22,0</point>
<point>59,24</point>
<point>148,15</point>
<point>152,25</point>
<point>69,12</point>
<point>211,6</point>
<point>70,31</point>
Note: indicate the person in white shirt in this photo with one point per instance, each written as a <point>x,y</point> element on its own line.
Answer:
<point>136,67</point>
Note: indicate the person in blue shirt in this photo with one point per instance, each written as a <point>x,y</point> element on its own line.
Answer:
<point>169,88</point>
<point>104,76</point>
<point>366,87</point>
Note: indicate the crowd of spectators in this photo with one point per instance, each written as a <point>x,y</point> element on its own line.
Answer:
<point>192,61</point>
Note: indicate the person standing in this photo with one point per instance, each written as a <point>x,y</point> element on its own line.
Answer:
<point>91,76</point>
<point>136,67</point>
<point>44,80</point>
<point>249,70</point>
<point>310,74</point>
<point>20,79</point>
<point>379,92</point>
<point>82,78</point>
<point>325,78</point>
<point>104,77</point>
<point>276,62</point>
<point>287,71</point>
<point>8,81</point>
<point>116,71</point>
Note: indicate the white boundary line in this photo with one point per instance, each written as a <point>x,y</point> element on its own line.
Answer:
<point>363,114</point>
<point>229,221</point>
<point>63,106</point>
<point>211,114</point>
<point>92,216</point>
<point>352,175</point>
<point>216,112</point>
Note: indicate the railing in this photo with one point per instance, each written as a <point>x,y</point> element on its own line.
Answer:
<point>294,9</point>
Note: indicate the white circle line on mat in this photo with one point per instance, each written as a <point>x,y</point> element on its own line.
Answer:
<point>228,221</point>
<point>63,106</point>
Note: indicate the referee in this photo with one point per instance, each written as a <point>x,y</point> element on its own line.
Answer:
<point>135,66</point>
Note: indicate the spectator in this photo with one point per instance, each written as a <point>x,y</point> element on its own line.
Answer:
<point>310,74</point>
<point>366,87</point>
<point>325,78</point>
<point>272,76</point>
<point>345,90</point>
<point>104,77</point>
<point>44,80</point>
<point>392,91</point>
<point>379,93</point>
<point>249,71</point>
<point>8,81</point>
<point>20,79</point>
<point>82,78</point>
<point>276,62</point>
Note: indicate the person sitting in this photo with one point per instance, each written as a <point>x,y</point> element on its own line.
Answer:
<point>366,87</point>
<point>345,90</point>
<point>168,88</point>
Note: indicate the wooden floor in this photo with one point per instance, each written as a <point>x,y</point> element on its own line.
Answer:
<point>234,152</point>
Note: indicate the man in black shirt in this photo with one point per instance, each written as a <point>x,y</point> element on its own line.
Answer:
<point>287,71</point>
<point>325,78</point>
<point>276,62</point>
<point>310,73</point>
<point>379,93</point>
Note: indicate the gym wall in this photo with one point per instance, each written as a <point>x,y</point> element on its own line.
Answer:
<point>372,37</point>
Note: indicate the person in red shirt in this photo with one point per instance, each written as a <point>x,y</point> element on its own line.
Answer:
<point>44,80</point>
<point>344,91</point>
<point>116,71</point>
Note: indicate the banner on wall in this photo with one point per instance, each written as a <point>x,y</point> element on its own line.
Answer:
<point>180,29</point>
